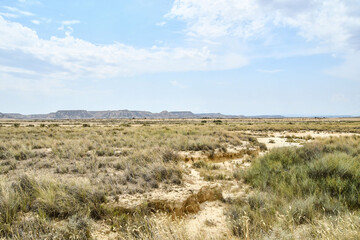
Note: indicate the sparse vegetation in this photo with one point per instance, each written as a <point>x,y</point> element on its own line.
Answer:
<point>63,179</point>
<point>309,186</point>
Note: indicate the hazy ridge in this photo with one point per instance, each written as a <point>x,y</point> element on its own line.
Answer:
<point>130,114</point>
<point>125,114</point>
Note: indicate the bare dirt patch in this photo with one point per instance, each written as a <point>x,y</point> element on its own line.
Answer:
<point>209,223</point>
<point>178,200</point>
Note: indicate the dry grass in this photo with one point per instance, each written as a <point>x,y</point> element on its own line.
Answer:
<point>302,193</point>
<point>57,177</point>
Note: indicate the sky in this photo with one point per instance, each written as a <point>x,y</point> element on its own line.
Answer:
<point>246,57</point>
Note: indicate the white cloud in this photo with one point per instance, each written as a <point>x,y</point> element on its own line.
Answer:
<point>18,11</point>
<point>70,22</point>
<point>36,22</point>
<point>9,15</point>
<point>331,22</point>
<point>220,17</point>
<point>46,20</point>
<point>73,58</point>
<point>66,26</point>
<point>6,69</point>
<point>161,24</point>
<point>332,25</point>
<point>29,2</point>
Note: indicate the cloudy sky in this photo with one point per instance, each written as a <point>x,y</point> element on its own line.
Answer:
<point>230,56</point>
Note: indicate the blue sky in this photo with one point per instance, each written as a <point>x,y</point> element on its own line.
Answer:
<point>231,56</point>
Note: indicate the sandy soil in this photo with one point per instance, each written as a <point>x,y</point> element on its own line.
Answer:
<point>276,142</point>
<point>209,223</point>
<point>279,139</point>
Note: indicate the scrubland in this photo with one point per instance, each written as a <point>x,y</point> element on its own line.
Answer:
<point>155,179</point>
<point>310,192</point>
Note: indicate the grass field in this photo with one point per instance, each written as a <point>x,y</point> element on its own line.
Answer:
<point>149,179</point>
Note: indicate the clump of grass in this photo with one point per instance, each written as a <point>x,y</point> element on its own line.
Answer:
<point>308,137</point>
<point>162,173</point>
<point>34,227</point>
<point>62,170</point>
<point>22,155</point>
<point>325,168</point>
<point>252,217</point>
<point>4,153</point>
<point>302,211</point>
<point>119,165</point>
<point>170,156</point>
<point>49,200</point>
<point>140,226</point>
<point>255,142</point>
<point>213,177</point>
<point>200,164</point>
<point>318,181</point>
<point>205,165</point>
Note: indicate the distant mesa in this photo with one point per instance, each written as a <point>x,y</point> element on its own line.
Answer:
<point>266,116</point>
<point>72,114</point>
<point>118,114</point>
<point>129,114</point>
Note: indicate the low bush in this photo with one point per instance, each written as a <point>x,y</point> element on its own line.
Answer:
<point>48,200</point>
<point>304,185</point>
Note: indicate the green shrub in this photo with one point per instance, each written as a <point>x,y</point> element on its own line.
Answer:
<point>305,184</point>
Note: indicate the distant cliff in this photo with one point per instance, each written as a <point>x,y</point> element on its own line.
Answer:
<point>118,114</point>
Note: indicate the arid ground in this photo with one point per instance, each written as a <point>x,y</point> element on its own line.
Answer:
<point>180,179</point>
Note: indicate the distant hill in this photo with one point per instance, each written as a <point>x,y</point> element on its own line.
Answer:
<point>128,114</point>
<point>117,114</point>
<point>266,116</point>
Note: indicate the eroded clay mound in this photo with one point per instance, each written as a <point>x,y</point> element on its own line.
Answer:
<point>177,201</point>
